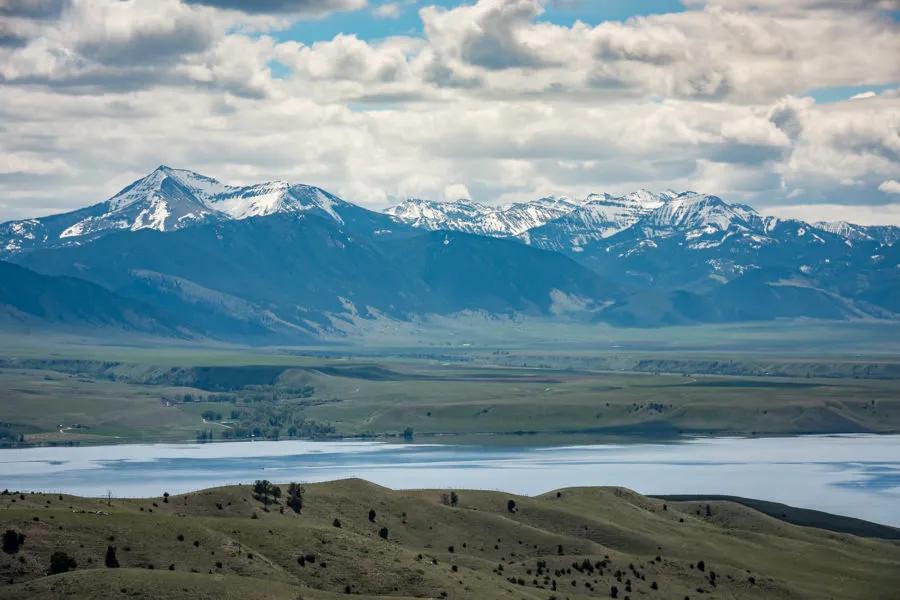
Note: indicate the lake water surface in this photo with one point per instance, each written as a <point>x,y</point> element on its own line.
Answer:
<point>854,475</point>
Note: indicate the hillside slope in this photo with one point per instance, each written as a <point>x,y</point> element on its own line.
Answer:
<point>575,543</point>
<point>289,274</point>
<point>34,300</point>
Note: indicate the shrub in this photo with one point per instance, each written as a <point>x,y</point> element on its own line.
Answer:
<point>336,523</point>
<point>60,562</point>
<point>511,506</point>
<point>12,540</point>
<point>371,515</point>
<point>383,533</point>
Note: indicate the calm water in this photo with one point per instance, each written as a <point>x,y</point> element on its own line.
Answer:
<point>856,475</point>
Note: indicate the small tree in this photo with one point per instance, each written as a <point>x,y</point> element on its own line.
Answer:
<point>511,506</point>
<point>166,497</point>
<point>60,562</point>
<point>263,488</point>
<point>111,561</point>
<point>12,540</point>
<point>454,499</point>
<point>295,497</point>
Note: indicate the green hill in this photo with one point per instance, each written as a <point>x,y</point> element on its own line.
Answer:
<point>226,543</point>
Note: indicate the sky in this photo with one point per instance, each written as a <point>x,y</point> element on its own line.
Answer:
<point>790,106</point>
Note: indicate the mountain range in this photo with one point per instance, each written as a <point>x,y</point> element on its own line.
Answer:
<point>181,253</point>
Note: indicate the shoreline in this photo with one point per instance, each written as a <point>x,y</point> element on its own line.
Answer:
<point>517,439</point>
<point>843,474</point>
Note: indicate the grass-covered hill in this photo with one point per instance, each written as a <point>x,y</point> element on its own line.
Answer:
<point>352,537</point>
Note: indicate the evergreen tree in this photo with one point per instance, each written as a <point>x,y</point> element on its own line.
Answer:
<point>111,561</point>
<point>295,497</point>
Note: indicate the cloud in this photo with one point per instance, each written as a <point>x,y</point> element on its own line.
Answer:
<point>388,10</point>
<point>35,9</point>
<point>347,58</point>
<point>315,8</point>
<point>492,34</point>
<point>799,5</point>
<point>891,186</point>
<point>861,214</point>
<point>26,163</point>
<point>457,191</point>
<point>132,33</point>
<point>490,101</point>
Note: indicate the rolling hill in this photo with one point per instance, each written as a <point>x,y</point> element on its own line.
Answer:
<point>353,537</point>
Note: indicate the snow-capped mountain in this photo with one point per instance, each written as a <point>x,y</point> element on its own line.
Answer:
<point>599,216</point>
<point>699,211</point>
<point>473,217</point>
<point>886,234</point>
<point>164,200</point>
<point>242,261</point>
<point>167,200</point>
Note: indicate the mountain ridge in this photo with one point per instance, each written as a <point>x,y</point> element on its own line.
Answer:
<point>289,259</point>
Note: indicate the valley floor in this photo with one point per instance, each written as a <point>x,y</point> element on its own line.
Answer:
<point>573,543</point>
<point>94,395</point>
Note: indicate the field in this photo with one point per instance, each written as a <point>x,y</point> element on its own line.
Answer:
<point>574,543</point>
<point>92,393</point>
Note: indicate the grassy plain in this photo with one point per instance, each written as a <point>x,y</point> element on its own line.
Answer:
<point>583,541</point>
<point>82,391</point>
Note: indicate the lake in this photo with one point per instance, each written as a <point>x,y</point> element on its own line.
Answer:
<point>854,475</point>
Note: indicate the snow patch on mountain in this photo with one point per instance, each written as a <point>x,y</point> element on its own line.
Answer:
<point>885,234</point>
<point>167,200</point>
<point>473,217</point>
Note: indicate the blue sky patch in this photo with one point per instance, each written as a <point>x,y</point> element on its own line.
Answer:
<point>845,92</point>
<point>365,25</point>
